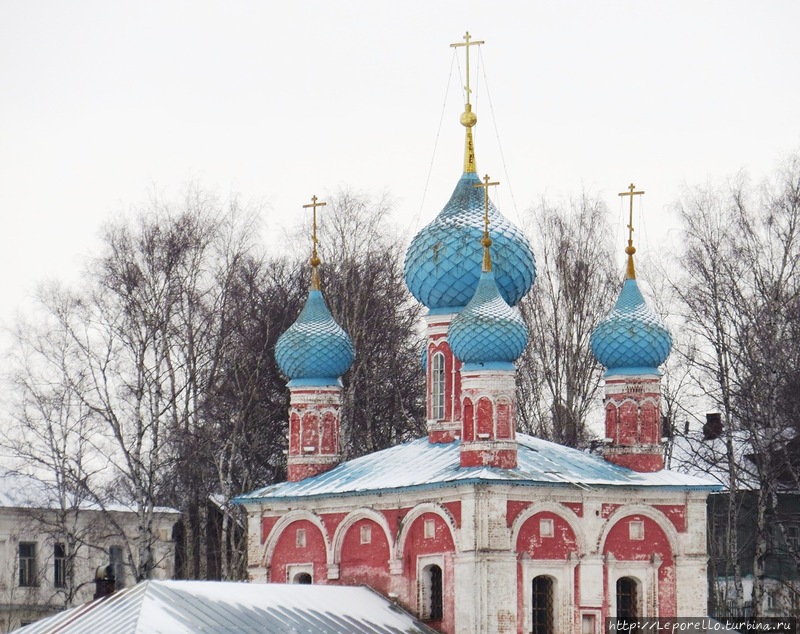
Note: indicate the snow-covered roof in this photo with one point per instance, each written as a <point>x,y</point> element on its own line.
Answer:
<point>19,490</point>
<point>420,464</point>
<point>187,607</point>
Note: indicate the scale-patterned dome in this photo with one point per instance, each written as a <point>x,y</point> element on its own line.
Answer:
<point>632,336</point>
<point>440,264</point>
<point>488,330</point>
<point>314,346</point>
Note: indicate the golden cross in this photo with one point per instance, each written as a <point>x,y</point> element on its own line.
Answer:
<point>631,193</point>
<point>467,43</point>
<point>314,204</point>
<point>486,184</point>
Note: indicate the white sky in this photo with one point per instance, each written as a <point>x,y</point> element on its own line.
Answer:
<point>100,102</point>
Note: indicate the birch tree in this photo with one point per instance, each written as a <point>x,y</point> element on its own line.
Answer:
<point>559,378</point>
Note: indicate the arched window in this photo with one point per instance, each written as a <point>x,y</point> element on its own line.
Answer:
<point>302,578</point>
<point>627,598</point>
<point>437,386</point>
<point>542,616</point>
<point>431,593</point>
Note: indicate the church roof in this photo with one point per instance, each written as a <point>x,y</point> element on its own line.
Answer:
<point>420,464</point>
<point>186,607</point>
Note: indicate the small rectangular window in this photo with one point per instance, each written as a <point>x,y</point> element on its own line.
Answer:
<point>636,531</point>
<point>366,534</point>
<point>300,538</point>
<point>59,566</point>
<point>117,561</point>
<point>27,564</point>
<point>546,528</point>
<point>429,529</point>
<point>793,537</point>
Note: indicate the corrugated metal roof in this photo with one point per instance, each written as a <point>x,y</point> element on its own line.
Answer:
<point>214,607</point>
<point>420,464</point>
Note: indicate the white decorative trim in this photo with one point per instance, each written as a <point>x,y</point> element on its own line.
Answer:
<point>424,561</point>
<point>489,445</point>
<point>350,520</point>
<point>563,590</point>
<point>418,511</point>
<point>648,511</point>
<point>316,396</point>
<point>565,513</point>
<point>292,570</point>
<point>645,573</point>
<point>283,523</point>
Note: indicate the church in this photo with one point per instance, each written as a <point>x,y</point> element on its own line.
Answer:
<point>475,527</point>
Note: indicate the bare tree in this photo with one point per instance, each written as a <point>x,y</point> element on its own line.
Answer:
<point>559,378</point>
<point>740,295</point>
<point>365,289</point>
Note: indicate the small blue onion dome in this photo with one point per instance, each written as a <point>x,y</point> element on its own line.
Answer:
<point>632,338</point>
<point>488,330</point>
<point>440,262</point>
<point>314,349</point>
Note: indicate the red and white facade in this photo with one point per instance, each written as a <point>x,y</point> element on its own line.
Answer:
<point>492,541</point>
<point>314,430</point>
<point>633,422</point>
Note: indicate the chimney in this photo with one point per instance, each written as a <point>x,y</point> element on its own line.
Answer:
<point>104,581</point>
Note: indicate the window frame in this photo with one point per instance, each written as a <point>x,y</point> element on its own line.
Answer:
<point>59,565</point>
<point>548,627</point>
<point>28,574</point>
<point>118,565</point>
<point>430,598</point>
<point>438,385</point>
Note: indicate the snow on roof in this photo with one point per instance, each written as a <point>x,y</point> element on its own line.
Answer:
<point>421,464</point>
<point>187,607</point>
<point>18,490</point>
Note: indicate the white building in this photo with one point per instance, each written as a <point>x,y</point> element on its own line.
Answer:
<point>48,557</point>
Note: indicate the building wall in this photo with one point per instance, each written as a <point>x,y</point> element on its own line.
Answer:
<point>26,603</point>
<point>491,541</point>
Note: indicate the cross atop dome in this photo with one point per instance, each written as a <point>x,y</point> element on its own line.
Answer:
<point>486,241</point>
<point>314,261</point>
<point>630,249</point>
<point>468,118</point>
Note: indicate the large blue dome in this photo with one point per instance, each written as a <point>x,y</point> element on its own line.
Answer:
<point>315,349</point>
<point>631,338</point>
<point>488,330</point>
<point>440,265</point>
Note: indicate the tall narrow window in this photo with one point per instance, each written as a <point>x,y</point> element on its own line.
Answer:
<point>431,593</point>
<point>27,564</point>
<point>627,598</point>
<point>59,566</point>
<point>117,561</point>
<point>542,616</point>
<point>437,386</point>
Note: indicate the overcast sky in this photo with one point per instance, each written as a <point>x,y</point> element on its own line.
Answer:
<point>102,102</point>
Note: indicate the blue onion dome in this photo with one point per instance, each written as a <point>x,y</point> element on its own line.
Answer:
<point>488,331</point>
<point>440,265</point>
<point>632,339</point>
<point>314,350</point>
